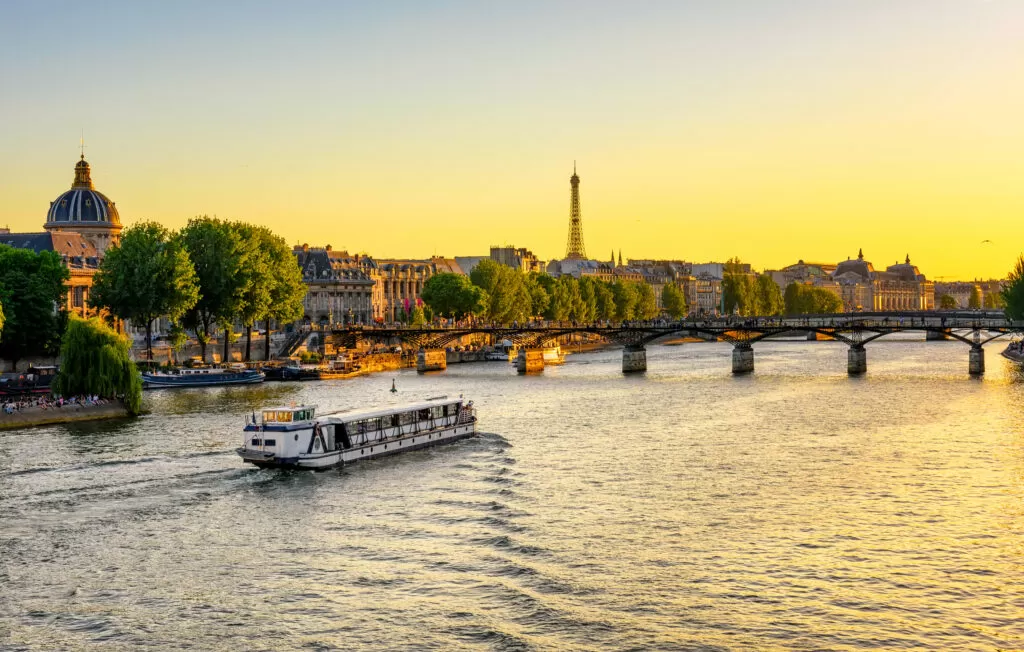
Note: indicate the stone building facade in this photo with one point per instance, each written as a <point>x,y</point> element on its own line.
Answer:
<point>339,287</point>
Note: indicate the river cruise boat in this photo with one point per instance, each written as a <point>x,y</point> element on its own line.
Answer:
<point>201,377</point>
<point>295,437</point>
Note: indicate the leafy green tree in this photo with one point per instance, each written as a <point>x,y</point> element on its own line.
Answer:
<point>646,302</point>
<point>975,301</point>
<point>626,297</point>
<point>32,293</point>
<point>217,256</point>
<point>804,299</point>
<point>146,276</point>
<point>992,300</point>
<point>947,302</point>
<point>737,293</point>
<point>605,299</point>
<point>577,308</point>
<point>96,360</point>
<point>539,298</point>
<point>509,297</point>
<point>288,290</point>
<point>1,318</point>
<point>769,296</point>
<point>588,298</point>
<point>674,300</point>
<point>257,279</point>
<point>416,317</point>
<point>1013,292</point>
<point>454,295</point>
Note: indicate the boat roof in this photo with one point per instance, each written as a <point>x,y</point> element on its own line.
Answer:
<point>370,413</point>
<point>286,408</point>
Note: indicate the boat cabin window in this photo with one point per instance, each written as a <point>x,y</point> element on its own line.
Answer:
<point>280,416</point>
<point>437,411</point>
<point>424,414</point>
<point>405,418</point>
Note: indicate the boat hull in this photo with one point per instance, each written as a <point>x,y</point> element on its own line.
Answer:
<point>368,451</point>
<point>170,382</point>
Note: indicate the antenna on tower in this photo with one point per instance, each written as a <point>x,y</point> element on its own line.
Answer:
<point>81,145</point>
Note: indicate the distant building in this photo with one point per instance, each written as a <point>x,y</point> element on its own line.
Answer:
<point>900,287</point>
<point>403,280</point>
<point>78,255</point>
<point>81,224</point>
<point>517,258</point>
<point>961,291</point>
<point>340,289</point>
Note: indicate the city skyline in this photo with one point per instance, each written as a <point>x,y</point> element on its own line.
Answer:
<point>772,133</point>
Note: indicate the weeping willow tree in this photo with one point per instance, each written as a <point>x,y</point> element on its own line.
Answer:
<point>95,360</point>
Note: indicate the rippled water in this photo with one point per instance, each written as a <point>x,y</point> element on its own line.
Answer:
<point>682,509</point>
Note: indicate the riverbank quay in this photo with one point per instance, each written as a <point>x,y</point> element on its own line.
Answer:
<point>50,415</point>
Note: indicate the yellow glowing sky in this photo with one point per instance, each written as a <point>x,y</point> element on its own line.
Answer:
<point>772,131</point>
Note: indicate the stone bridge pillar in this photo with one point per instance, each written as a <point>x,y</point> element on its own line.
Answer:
<point>857,360</point>
<point>530,361</point>
<point>431,360</point>
<point>742,359</point>
<point>634,359</point>
<point>976,360</point>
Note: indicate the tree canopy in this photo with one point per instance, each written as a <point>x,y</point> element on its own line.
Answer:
<point>217,255</point>
<point>96,360</point>
<point>146,276</point>
<point>974,302</point>
<point>674,300</point>
<point>802,299</point>
<point>1013,292</point>
<point>32,293</point>
<point>750,294</point>
<point>947,302</point>
<point>453,295</point>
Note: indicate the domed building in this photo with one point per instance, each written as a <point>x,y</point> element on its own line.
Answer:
<point>85,210</point>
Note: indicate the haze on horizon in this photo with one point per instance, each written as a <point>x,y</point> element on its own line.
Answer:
<point>772,131</point>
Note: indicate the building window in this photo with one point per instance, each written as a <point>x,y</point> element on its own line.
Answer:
<point>78,297</point>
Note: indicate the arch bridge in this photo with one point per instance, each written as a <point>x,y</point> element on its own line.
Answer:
<point>856,330</point>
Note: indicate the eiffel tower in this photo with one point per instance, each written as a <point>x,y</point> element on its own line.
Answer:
<point>574,250</point>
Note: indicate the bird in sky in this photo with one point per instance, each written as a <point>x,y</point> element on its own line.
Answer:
<point>986,242</point>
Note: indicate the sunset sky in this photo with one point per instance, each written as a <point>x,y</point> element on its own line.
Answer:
<point>769,130</point>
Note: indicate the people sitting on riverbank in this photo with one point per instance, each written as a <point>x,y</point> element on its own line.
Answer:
<point>19,404</point>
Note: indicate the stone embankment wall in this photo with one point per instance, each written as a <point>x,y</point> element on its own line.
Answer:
<point>39,417</point>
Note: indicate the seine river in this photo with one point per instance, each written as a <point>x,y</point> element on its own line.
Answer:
<point>795,508</point>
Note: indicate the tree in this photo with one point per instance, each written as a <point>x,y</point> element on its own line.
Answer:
<point>1013,292</point>
<point>288,289</point>
<point>808,300</point>
<point>217,256</point>
<point>1,318</point>
<point>509,297</point>
<point>992,300</point>
<point>974,302</point>
<point>947,302</point>
<point>674,300</point>
<point>453,295</point>
<point>769,296</point>
<point>539,298</point>
<point>646,302</point>
<point>416,317</point>
<point>32,293</point>
<point>625,300</point>
<point>96,360</point>
<point>605,301</point>
<point>146,276</point>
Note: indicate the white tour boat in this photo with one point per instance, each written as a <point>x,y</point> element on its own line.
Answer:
<point>295,437</point>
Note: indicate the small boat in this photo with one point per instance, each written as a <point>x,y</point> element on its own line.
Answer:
<point>1014,351</point>
<point>36,380</point>
<point>295,437</point>
<point>201,377</point>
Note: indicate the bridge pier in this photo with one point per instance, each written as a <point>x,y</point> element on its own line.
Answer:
<point>742,359</point>
<point>857,360</point>
<point>976,360</point>
<point>634,359</point>
<point>530,361</point>
<point>431,360</point>
<point>937,336</point>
